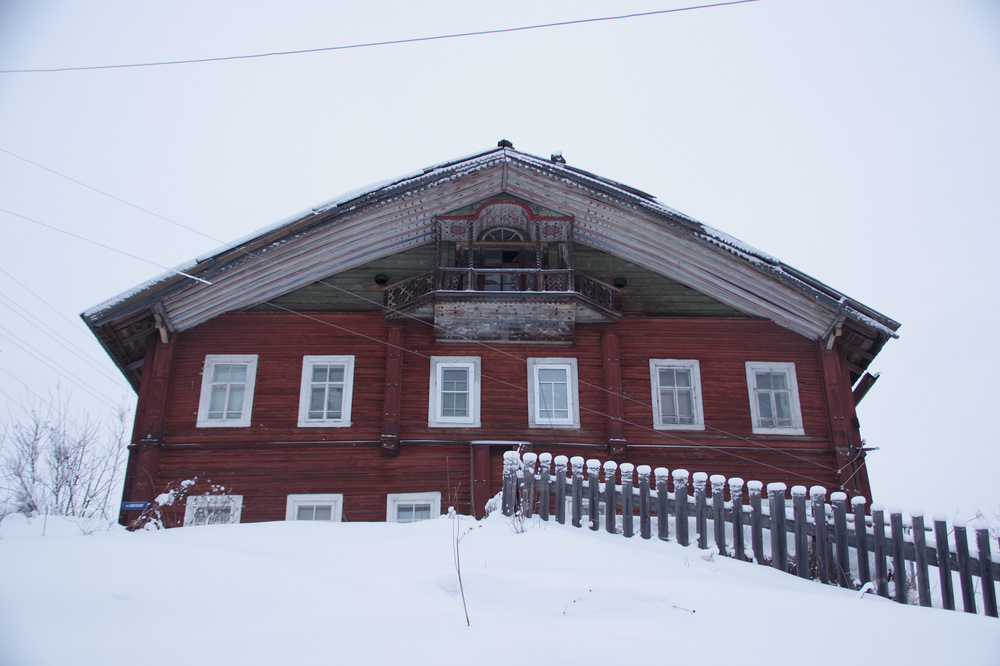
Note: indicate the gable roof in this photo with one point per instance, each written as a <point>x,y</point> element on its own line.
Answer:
<point>399,214</point>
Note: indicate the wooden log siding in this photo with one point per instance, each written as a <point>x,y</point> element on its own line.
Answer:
<point>821,532</point>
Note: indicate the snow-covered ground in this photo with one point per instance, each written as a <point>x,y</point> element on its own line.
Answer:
<point>377,593</point>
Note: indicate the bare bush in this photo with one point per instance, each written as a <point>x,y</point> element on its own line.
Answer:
<point>51,462</point>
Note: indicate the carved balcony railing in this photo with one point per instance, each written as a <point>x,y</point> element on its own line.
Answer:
<point>414,291</point>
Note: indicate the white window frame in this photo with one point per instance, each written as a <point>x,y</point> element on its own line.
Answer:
<point>211,360</point>
<point>438,365</point>
<point>335,500</point>
<point>657,364</point>
<point>393,500</point>
<point>535,419</point>
<point>305,390</point>
<point>196,502</point>
<point>788,369</point>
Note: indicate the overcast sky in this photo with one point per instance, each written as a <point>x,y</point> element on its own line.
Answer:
<point>855,140</point>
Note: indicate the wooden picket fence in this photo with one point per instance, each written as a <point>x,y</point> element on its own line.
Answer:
<point>830,543</point>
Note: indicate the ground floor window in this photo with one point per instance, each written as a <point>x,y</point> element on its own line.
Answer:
<point>314,507</point>
<point>213,509</point>
<point>412,507</point>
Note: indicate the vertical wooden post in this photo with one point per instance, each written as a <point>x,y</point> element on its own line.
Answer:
<point>736,498</point>
<point>576,462</point>
<point>818,496</point>
<point>662,475</point>
<point>628,507</point>
<point>964,572</point>
<point>561,489</point>
<point>986,571</point>
<point>528,484</point>
<point>920,553</point>
<point>844,432</point>
<point>801,531</point>
<point>613,395</point>
<point>756,521</point>
<point>392,399</point>
<point>510,464</point>
<point>594,493</point>
<point>944,562</point>
<point>843,561</point>
<point>861,538</point>
<point>681,505</point>
<point>645,529</point>
<point>719,512</point>
<point>700,508</point>
<point>779,542</point>
<point>881,570</point>
<point>898,561</point>
<point>544,487</point>
<point>610,498</point>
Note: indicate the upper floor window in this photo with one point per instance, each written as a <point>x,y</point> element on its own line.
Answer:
<point>774,398</point>
<point>553,400</point>
<point>227,391</point>
<point>676,386</point>
<point>325,395</point>
<point>454,392</point>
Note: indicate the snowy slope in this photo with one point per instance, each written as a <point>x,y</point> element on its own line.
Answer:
<point>376,593</point>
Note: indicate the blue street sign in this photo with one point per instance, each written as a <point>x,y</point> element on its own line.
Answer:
<point>134,506</point>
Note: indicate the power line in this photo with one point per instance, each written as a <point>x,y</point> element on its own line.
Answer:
<point>119,199</point>
<point>106,247</point>
<point>393,42</point>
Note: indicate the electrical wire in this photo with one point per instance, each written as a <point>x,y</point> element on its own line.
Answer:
<point>392,42</point>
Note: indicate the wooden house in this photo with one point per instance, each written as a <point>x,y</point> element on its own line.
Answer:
<point>373,357</point>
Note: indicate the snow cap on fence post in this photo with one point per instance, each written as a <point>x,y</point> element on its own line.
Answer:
<point>661,474</point>
<point>755,487</point>
<point>735,485</point>
<point>544,462</point>
<point>626,468</point>
<point>776,487</point>
<point>699,480</point>
<point>561,462</point>
<point>799,491</point>
<point>718,483</point>
<point>838,496</point>
<point>593,466</point>
<point>643,470</point>
<point>681,476</point>
<point>609,468</point>
<point>858,500</point>
<point>529,459</point>
<point>576,462</point>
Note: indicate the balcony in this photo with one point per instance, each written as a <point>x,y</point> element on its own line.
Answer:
<point>503,304</point>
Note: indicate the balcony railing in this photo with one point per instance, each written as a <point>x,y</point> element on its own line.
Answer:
<point>410,292</point>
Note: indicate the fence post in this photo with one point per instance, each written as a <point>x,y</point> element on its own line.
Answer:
<point>898,562</point>
<point>594,493</point>
<point>561,489</point>
<point>528,484</point>
<point>843,562</point>
<point>719,512</point>
<point>510,463</point>
<point>736,498</point>
<point>576,464</point>
<point>776,509</point>
<point>628,508</point>
<point>920,558</point>
<point>544,487</point>
<point>700,509</point>
<point>881,571</point>
<point>801,534</point>
<point>610,501</point>
<point>986,571</point>
<point>944,562</point>
<point>662,475</point>
<point>964,572</point>
<point>645,530</point>
<point>818,496</point>
<point>756,521</point>
<point>861,538</point>
<point>681,505</point>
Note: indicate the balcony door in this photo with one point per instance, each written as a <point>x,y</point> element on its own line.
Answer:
<point>508,250</point>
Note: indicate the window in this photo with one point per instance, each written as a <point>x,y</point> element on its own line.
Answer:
<point>552,393</point>
<point>774,398</point>
<point>454,392</point>
<point>314,507</point>
<point>676,386</point>
<point>325,398</point>
<point>412,507</point>
<point>227,391</point>
<point>213,509</point>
